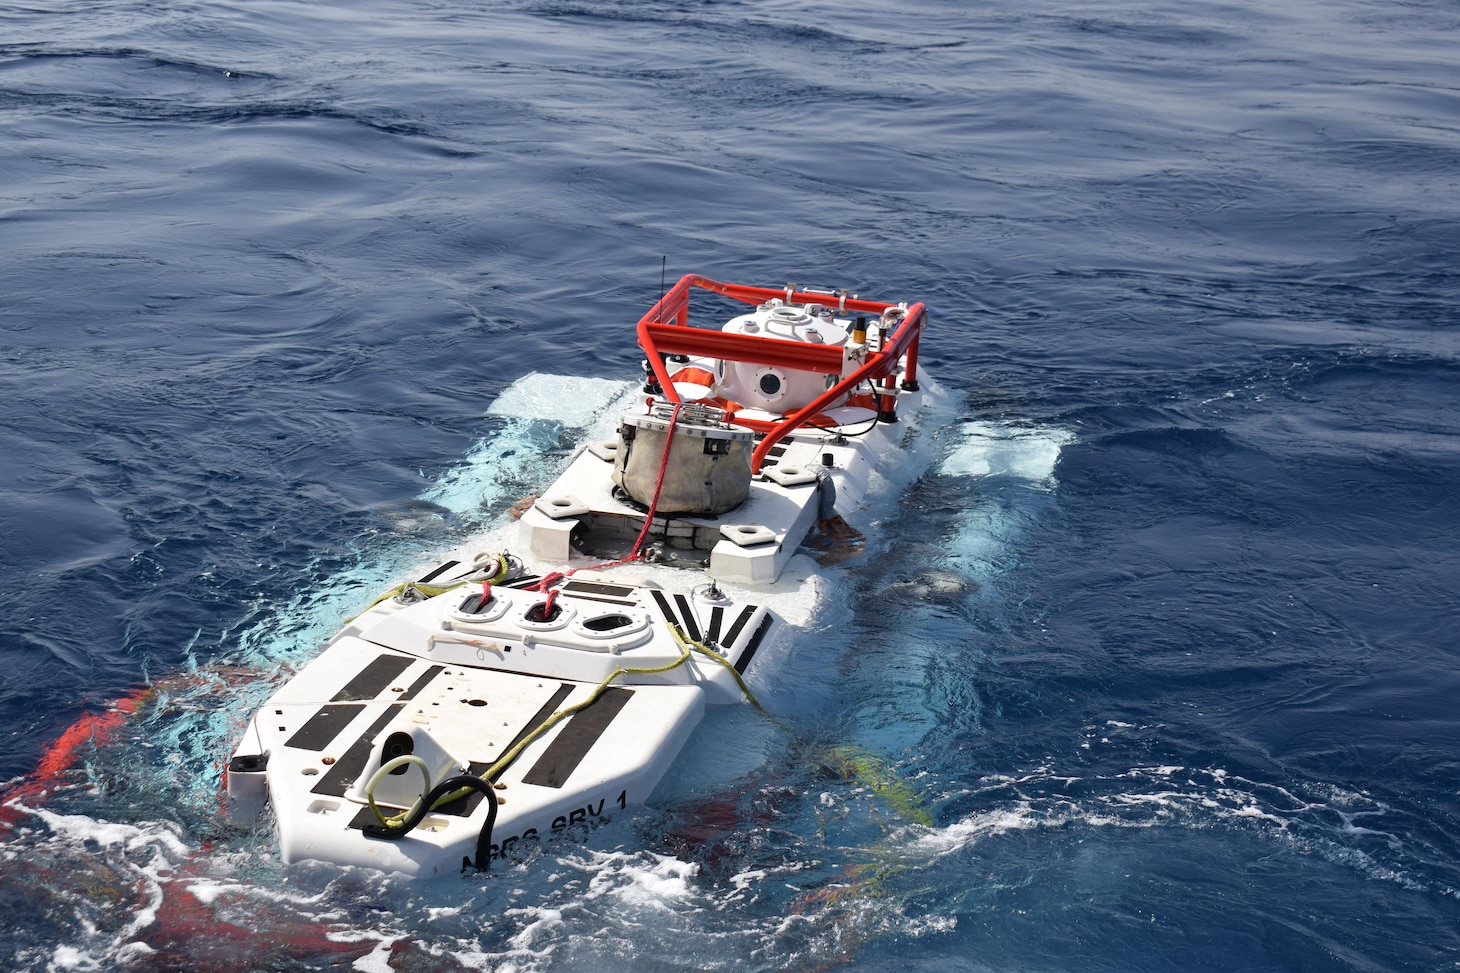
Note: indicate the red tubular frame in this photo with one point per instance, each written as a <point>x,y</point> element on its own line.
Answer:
<point>666,330</point>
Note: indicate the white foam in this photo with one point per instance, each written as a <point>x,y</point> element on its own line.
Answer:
<point>545,922</point>
<point>660,885</point>
<point>448,912</point>
<point>206,891</point>
<point>126,845</point>
<point>945,841</point>
<point>575,402</point>
<point>134,955</point>
<point>378,959</point>
<point>127,837</point>
<point>70,958</point>
<point>1143,797</point>
<point>538,410</point>
<point>744,880</point>
<point>994,449</point>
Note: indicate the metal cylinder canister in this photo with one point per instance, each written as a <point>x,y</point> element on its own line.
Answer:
<point>708,471</point>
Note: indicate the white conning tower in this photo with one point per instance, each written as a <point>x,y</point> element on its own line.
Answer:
<point>769,387</point>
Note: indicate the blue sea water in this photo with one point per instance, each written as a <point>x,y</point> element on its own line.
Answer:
<point>1154,668</point>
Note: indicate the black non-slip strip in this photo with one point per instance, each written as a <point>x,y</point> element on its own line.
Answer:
<point>717,616</point>
<point>350,764</point>
<point>438,572</point>
<point>374,678</point>
<point>691,624</point>
<point>755,640</point>
<point>363,817</point>
<point>421,682</point>
<point>597,588</point>
<point>740,621</point>
<point>664,606</point>
<point>579,596</point>
<point>321,728</point>
<point>573,742</point>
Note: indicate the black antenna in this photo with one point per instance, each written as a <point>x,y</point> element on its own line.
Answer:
<point>651,381</point>
<point>663,266</point>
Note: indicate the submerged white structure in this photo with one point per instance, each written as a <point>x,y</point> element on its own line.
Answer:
<point>506,695</point>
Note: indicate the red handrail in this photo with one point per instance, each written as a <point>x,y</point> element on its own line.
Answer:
<point>665,330</point>
<point>671,339</point>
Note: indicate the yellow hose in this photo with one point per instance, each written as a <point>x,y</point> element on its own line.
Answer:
<point>386,768</point>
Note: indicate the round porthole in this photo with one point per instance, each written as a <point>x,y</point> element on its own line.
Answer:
<point>770,383</point>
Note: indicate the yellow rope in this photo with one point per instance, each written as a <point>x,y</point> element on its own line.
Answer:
<point>432,590</point>
<point>704,649</point>
<point>386,768</point>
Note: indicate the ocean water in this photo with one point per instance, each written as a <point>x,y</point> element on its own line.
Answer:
<point>1152,666</point>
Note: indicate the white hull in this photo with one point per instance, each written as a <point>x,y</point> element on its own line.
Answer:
<point>571,681</point>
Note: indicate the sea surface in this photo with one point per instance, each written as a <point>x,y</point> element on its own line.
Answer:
<point>1151,664</point>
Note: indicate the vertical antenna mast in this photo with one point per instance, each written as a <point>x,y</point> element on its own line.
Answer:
<point>663,265</point>
<point>651,381</point>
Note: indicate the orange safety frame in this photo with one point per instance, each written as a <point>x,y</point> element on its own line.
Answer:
<point>666,330</point>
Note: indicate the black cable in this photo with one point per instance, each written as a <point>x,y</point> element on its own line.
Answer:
<point>877,398</point>
<point>463,782</point>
